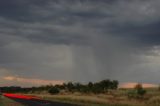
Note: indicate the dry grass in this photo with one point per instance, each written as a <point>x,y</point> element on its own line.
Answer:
<point>154,101</point>
<point>113,98</point>
<point>91,100</point>
<point>7,102</point>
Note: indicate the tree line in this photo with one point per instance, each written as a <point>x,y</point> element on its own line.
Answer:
<point>97,87</point>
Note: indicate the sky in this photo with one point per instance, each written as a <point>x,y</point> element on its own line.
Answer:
<point>54,41</point>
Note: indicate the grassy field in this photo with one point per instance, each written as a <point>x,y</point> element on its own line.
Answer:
<point>7,102</point>
<point>112,98</point>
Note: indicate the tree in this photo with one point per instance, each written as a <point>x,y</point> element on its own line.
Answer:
<point>97,88</point>
<point>54,90</point>
<point>70,86</point>
<point>90,85</point>
<point>78,86</point>
<point>139,89</point>
<point>115,84</point>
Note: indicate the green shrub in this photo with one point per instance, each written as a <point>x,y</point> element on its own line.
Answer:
<point>141,92</point>
<point>54,90</point>
<point>139,89</point>
<point>137,93</point>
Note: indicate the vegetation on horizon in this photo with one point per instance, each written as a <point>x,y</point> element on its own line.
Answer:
<point>98,87</point>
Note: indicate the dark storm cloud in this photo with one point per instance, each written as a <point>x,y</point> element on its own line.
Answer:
<point>68,13</point>
<point>18,9</point>
<point>145,35</point>
<point>85,39</point>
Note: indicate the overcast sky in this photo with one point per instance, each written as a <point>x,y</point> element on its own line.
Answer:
<point>79,40</point>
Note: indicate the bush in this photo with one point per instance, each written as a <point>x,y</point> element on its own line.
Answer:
<point>137,93</point>
<point>54,90</point>
<point>140,90</point>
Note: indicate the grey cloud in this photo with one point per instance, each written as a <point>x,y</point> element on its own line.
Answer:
<point>83,40</point>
